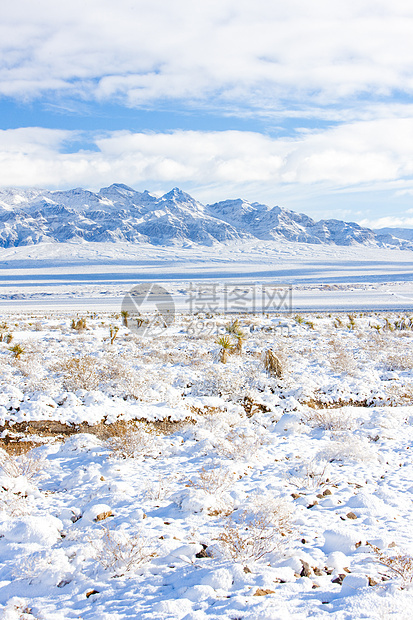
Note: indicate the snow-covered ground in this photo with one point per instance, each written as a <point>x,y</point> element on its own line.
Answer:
<point>97,275</point>
<point>237,494</point>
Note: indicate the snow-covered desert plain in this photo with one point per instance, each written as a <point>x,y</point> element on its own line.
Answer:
<point>142,477</point>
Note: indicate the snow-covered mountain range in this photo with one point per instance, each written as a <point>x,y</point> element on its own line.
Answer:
<point>119,213</point>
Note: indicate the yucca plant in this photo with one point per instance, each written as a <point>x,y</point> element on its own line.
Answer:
<point>240,337</point>
<point>227,348</point>
<point>125,315</point>
<point>233,328</point>
<point>17,350</point>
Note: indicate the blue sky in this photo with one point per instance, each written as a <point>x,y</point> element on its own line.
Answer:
<point>304,104</point>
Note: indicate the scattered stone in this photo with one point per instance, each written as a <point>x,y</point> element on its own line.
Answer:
<point>351,515</point>
<point>372,582</point>
<point>247,570</point>
<point>339,579</point>
<point>346,569</point>
<point>317,571</point>
<point>303,540</point>
<point>263,592</point>
<point>295,495</point>
<point>315,503</point>
<point>203,553</point>
<point>327,492</point>
<point>314,586</point>
<point>90,592</point>
<point>103,515</point>
<point>75,517</point>
<point>358,544</point>
<point>306,570</point>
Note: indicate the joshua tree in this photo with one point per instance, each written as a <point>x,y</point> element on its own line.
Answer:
<point>113,332</point>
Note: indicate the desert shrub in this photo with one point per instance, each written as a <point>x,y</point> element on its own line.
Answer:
<point>310,475</point>
<point>397,394</point>
<point>239,445</point>
<point>399,361</point>
<point>219,381</point>
<point>400,565</point>
<point>329,419</point>
<point>349,447</point>
<point>217,480</point>
<point>131,441</point>
<point>26,465</point>
<point>341,359</point>
<point>161,487</point>
<point>250,535</point>
<point>14,504</point>
<point>81,373</point>
<point>273,364</point>
<point>120,552</point>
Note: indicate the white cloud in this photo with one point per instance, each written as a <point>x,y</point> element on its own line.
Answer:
<point>226,53</point>
<point>388,222</point>
<point>355,156</point>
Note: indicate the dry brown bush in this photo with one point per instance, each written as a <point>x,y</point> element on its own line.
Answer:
<point>311,475</point>
<point>81,373</point>
<point>121,552</point>
<point>341,358</point>
<point>214,481</point>
<point>273,364</point>
<point>400,565</point>
<point>337,419</point>
<point>399,361</point>
<point>251,535</point>
<point>26,465</point>
<point>131,441</point>
<point>238,445</point>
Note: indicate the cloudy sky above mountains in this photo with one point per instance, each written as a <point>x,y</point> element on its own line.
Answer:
<point>305,104</point>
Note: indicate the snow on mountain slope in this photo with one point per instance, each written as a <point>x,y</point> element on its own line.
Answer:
<point>119,213</point>
<point>400,233</point>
